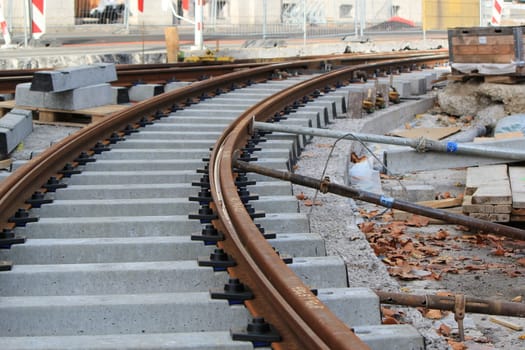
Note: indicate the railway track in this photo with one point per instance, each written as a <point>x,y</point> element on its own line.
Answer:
<point>116,259</point>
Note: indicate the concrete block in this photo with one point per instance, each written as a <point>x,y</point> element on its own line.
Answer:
<point>80,98</point>
<point>418,84</point>
<point>175,85</point>
<point>142,92</point>
<point>356,95</point>
<point>120,95</point>
<point>73,77</point>
<point>14,128</point>
<point>389,337</point>
<point>25,97</point>
<point>172,341</point>
<point>353,306</point>
<point>6,97</point>
<point>321,272</point>
<point>110,278</point>
<point>118,314</point>
<point>137,226</point>
<point>412,193</point>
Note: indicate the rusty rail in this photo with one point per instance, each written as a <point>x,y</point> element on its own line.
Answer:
<point>301,319</point>
<point>163,72</point>
<point>304,321</point>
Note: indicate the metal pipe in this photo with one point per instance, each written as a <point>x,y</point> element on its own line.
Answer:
<point>325,185</point>
<point>420,145</point>
<point>472,305</point>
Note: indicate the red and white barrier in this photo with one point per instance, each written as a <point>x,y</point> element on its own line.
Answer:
<point>496,13</point>
<point>3,26</point>
<point>38,20</point>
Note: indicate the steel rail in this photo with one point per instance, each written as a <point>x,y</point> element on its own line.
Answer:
<point>129,74</point>
<point>27,179</point>
<point>304,322</point>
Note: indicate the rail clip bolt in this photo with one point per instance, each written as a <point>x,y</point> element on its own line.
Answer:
<point>219,260</point>
<point>234,291</point>
<point>21,217</point>
<point>37,199</point>
<point>259,332</point>
<point>209,235</point>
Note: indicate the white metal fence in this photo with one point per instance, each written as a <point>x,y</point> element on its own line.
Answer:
<point>241,18</point>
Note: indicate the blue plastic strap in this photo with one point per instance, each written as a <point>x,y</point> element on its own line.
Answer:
<point>452,147</point>
<point>387,202</point>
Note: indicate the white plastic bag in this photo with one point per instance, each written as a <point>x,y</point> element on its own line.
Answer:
<point>364,177</point>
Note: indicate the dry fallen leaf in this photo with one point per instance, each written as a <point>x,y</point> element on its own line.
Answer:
<point>441,235</point>
<point>366,227</point>
<point>434,314</point>
<point>517,299</point>
<point>499,251</point>
<point>309,203</point>
<point>457,345</point>
<point>389,320</point>
<point>301,196</point>
<point>417,221</point>
<point>521,261</point>
<point>444,330</point>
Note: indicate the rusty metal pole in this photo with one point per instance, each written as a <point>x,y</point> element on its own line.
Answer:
<point>325,186</point>
<point>472,305</point>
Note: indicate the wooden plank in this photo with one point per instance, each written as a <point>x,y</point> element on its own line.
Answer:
<point>494,193</point>
<point>400,215</point>
<point>6,163</point>
<point>442,203</point>
<point>477,176</point>
<point>491,217</point>
<point>501,136</point>
<point>517,183</point>
<point>429,133</point>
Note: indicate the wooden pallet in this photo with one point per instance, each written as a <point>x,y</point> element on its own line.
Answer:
<point>495,193</point>
<point>495,79</point>
<point>488,194</point>
<point>56,116</point>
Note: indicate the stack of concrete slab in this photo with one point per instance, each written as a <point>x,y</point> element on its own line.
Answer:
<point>70,88</point>
<point>488,195</point>
<point>14,128</point>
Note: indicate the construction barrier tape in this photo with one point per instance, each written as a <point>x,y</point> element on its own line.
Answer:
<point>387,202</point>
<point>452,147</point>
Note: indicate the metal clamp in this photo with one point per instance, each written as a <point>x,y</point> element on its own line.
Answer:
<point>323,186</point>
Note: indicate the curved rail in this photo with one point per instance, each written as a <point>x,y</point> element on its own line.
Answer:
<point>289,303</point>
<point>163,72</point>
<point>281,297</point>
